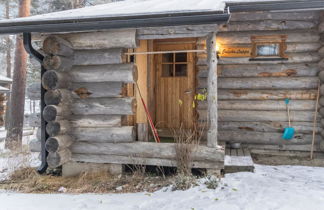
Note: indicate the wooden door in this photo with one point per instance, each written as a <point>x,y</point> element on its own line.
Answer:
<point>175,87</point>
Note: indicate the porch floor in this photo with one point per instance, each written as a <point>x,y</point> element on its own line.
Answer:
<point>238,160</point>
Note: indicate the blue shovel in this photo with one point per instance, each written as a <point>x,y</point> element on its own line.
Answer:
<point>289,132</point>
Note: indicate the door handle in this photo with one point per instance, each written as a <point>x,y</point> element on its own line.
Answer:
<point>188,92</point>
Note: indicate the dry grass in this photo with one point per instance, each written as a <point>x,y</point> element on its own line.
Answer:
<point>186,141</point>
<point>27,180</point>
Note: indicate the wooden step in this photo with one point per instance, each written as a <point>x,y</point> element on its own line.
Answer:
<point>238,160</point>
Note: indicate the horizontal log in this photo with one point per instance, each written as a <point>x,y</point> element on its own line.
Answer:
<point>311,57</point>
<point>105,135</point>
<point>58,143</point>
<point>259,116</point>
<point>115,159</point>
<point>108,73</point>
<point>34,91</point>
<point>269,126</point>
<point>99,57</point>
<point>175,31</point>
<point>146,150</point>
<point>321,51</point>
<point>102,40</point>
<point>262,25</point>
<point>84,57</point>
<point>283,147</point>
<point>104,106</point>
<point>247,16</point>
<point>266,94</point>
<point>52,112</point>
<point>55,80</point>
<point>263,83</point>
<point>321,27</point>
<point>321,145</point>
<point>97,89</point>
<point>244,37</point>
<point>55,45</point>
<point>95,121</point>
<point>34,145</point>
<point>83,91</point>
<point>262,137</point>
<point>264,70</point>
<point>56,159</point>
<point>267,105</point>
<point>321,63</point>
<point>55,128</point>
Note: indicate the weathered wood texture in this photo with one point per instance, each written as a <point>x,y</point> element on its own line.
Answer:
<point>55,159</point>
<point>321,79</point>
<point>251,94</point>
<point>105,135</point>
<point>212,91</point>
<point>102,40</point>
<point>146,150</point>
<point>175,31</point>
<point>85,57</point>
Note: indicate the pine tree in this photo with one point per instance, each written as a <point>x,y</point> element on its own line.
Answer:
<point>16,112</point>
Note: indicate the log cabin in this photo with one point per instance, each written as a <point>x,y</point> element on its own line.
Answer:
<point>227,68</point>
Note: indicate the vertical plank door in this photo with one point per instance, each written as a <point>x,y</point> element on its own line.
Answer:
<point>175,87</point>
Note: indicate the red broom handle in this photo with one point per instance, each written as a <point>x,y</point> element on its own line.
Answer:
<point>154,131</point>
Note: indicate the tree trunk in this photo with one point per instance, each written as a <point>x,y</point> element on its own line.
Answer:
<point>16,113</point>
<point>8,67</point>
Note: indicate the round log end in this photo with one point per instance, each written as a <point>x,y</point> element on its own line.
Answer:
<point>50,113</point>
<point>53,97</point>
<point>48,44</point>
<point>57,46</point>
<point>58,158</point>
<point>322,89</point>
<point>321,111</point>
<point>53,128</point>
<point>50,80</point>
<point>52,145</point>
<point>51,62</point>
<point>321,76</point>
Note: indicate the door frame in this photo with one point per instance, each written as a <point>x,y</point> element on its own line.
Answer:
<point>154,74</point>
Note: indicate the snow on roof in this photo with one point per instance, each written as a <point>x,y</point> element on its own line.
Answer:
<point>4,90</point>
<point>5,80</point>
<point>130,8</point>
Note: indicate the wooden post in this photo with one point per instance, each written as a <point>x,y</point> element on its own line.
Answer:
<point>212,90</point>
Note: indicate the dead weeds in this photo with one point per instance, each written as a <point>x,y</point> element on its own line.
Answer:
<point>27,180</point>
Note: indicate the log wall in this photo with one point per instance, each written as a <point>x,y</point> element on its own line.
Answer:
<point>85,101</point>
<point>88,109</point>
<point>321,75</point>
<point>251,94</point>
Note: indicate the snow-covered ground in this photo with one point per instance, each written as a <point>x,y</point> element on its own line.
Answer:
<point>270,187</point>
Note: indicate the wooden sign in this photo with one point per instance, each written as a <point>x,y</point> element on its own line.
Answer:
<point>235,51</point>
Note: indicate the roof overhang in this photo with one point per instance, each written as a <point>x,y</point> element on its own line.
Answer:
<point>284,5</point>
<point>103,23</point>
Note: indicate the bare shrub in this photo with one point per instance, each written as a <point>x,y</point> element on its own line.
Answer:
<point>183,182</point>
<point>211,182</point>
<point>186,142</point>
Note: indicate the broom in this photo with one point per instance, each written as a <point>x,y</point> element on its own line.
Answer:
<point>314,122</point>
<point>153,129</point>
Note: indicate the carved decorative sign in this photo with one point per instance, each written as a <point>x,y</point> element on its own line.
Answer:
<point>235,51</point>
